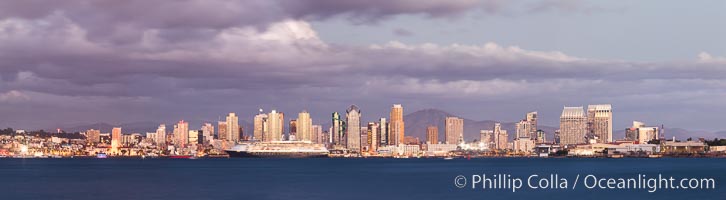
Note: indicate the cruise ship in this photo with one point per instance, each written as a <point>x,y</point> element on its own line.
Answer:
<point>278,149</point>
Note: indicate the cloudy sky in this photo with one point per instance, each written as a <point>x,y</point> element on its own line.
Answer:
<point>83,61</point>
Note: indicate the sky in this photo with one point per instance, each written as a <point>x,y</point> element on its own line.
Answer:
<point>83,61</point>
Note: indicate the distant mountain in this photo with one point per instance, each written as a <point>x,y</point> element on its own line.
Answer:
<point>133,127</point>
<point>143,127</point>
<point>417,122</point>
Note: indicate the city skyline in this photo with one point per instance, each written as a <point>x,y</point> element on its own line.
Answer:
<point>482,60</point>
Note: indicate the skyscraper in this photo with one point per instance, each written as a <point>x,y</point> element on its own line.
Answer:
<point>501,137</point>
<point>600,122</point>
<point>372,139</point>
<point>222,130</point>
<point>352,116</point>
<point>232,127</point>
<point>304,127</point>
<point>207,133</point>
<point>338,130</point>
<point>397,126</point>
<point>527,127</point>
<point>384,132</point>
<point>115,139</point>
<point>293,130</point>
<point>93,136</point>
<point>454,132</point>
<point>160,135</point>
<point>573,125</point>
<point>181,133</point>
<point>276,122</point>
<point>432,134</point>
<point>193,137</point>
<point>317,134</point>
<point>485,137</point>
<point>260,126</point>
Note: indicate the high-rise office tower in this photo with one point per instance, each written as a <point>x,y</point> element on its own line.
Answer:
<point>384,132</point>
<point>194,137</point>
<point>338,130</point>
<point>373,136</point>
<point>573,125</point>
<point>292,134</point>
<point>222,130</point>
<point>485,137</point>
<point>207,133</point>
<point>93,136</point>
<point>115,139</point>
<point>527,127</point>
<point>454,132</point>
<point>276,122</point>
<point>432,134</point>
<point>304,127</point>
<point>181,133</point>
<point>600,122</point>
<point>160,135</point>
<point>260,126</point>
<point>501,137</point>
<point>352,116</point>
<point>397,125</point>
<point>232,127</point>
<point>317,134</point>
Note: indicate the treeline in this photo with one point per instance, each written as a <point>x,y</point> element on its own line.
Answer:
<point>716,142</point>
<point>44,134</point>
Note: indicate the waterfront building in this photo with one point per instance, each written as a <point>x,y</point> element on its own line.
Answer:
<point>353,130</point>
<point>372,136</point>
<point>687,147</point>
<point>115,139</point>
<point>573,125</point>
<point>276,122</point>
<point>181,133</point>
<point>600,122</point>
<point>454,132</point>
<point>524,145</point>
<point>439,149</point>
<point>304,129</point>
<point>432,134</point>
<point>383,131</point>
<point>501,137</point>
<point>93,136</point>
<point>260,126</point>
<point>396,126</point>
<point>233,128</point>
<point>160,138</point>
<point>641,133</point>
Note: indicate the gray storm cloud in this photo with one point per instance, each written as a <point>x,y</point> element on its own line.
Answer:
<point>110,60</point>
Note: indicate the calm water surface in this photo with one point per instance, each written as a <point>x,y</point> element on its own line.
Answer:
<point>367,179</point>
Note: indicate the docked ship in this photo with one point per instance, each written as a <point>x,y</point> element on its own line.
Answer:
<point>278,149</point>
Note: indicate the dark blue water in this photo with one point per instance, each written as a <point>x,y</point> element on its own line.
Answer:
<point>368,179</point>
